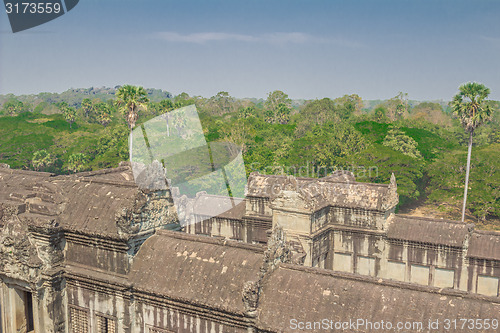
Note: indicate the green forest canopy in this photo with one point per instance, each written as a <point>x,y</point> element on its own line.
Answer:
<point>420,142</point>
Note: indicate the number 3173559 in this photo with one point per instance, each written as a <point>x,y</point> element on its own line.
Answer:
<point>33,8</point>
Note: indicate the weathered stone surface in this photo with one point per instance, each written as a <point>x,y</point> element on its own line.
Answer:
<point>325,191</point>
<point>92,245</point>
<point>338,224</point>
<point>485,245</point>
<point>425,230</point>
<point>312,295</point>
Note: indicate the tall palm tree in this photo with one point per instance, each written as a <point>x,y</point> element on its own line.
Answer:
<point>472,109</point>
<point>131,99</point>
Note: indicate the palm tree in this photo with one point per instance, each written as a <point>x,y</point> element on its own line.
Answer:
<point>472,109</point>
<point>283,113</point>
<point>166,105</point>
<point>130,99</point>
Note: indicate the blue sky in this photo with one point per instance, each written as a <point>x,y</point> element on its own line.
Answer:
<point>308,49</point>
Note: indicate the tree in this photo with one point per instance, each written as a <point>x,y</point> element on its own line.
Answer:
<point>76,162</point>
<point>247,112</point>
<point>103,113</point>
<point>282,113</point>
<point>165,106</point>
<point>399,141</point>
<point>87,106</point>
<point>377,163</point>
<point>431,112</point>
<point>14,106</point>
<point>380,115</point>
<point>317,112</point>
<point>275,98</point>
<point>179,120</point>
<point>273,102</point>
<point>402,107</point>
<point>446,174</point>
<point>269,116</point>
<point>397,107</point>
<point>42,160</point>
<point>68,112</point>
<point>183,99</point>
<point>223,102</point>
<point>326,147</point>
<point>348,105</point>
<point>69,115</point>
<point>471,107</point>
<point>130,99</point>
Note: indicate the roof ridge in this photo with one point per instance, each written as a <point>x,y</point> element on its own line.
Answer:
<point>388,282</point>
<point>218,196</point>
<point>27,172</point>
<point>487,232</point>
<point>210,240</point>
<point>110,182</point>
<point>102,171</point>
<point>322,179</point>
<point>431,219</point>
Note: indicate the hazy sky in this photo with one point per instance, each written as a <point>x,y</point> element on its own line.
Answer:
<point>309,49</point>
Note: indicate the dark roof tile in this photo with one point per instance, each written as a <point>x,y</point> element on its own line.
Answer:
<point>196,269</point>
<point>484,245</point>
<point>426,230</point>
<point>342,297</point>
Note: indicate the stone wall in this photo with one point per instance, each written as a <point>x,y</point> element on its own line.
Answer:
<point>345,231</point>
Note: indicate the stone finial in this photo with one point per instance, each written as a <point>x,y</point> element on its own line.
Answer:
<point>125,164</point>
<point>278,251</point>
<point>250,295</point>
<point>291,183</point>
<point>393,184</point>
<point>391,198</point>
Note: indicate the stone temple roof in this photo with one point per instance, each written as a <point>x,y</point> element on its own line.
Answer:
<point>342,296</point>
<point>86,202</point>
<point>427,230</point>
<point>328,191</point>
<point>206,271</point>
<point>484,245</point>
<point>196,269</point>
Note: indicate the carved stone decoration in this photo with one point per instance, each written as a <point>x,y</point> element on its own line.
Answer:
<point>185,207</point>
<point>250,294</point>
<point>151,209</point>
<point>278,251</point>
<point>392,198</point>
<point>292,200</point>
<point>19,257</point>
<point>291,183</point>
